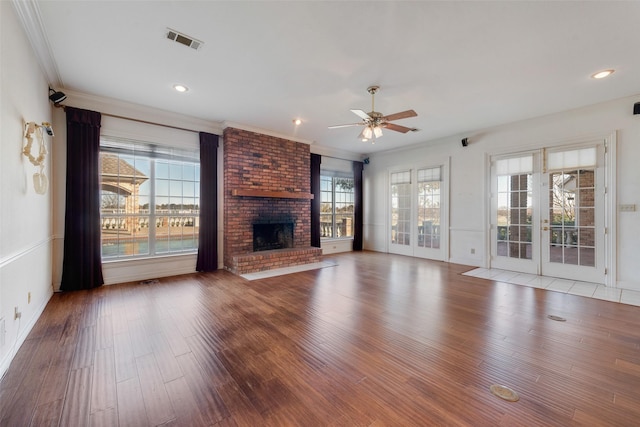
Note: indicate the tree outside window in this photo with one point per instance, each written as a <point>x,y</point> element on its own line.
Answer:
<point>336,206</point>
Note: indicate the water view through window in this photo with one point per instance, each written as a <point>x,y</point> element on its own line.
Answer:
<point>149,202</point>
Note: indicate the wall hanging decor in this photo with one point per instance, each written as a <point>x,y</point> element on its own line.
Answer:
<point>33,131</point>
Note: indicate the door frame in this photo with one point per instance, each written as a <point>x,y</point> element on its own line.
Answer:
<point>441,254</point>
<point>610,198</point>
<point>523,265</point>
<point>597,272</point>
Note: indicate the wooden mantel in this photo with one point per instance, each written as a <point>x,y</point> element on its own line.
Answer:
<point>272,194</point>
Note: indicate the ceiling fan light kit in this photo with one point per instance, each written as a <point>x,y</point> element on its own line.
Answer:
<point>374,121</point>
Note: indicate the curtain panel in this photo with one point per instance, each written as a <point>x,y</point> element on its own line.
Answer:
<point>316,160</point>
<point>358,216</point>
<point>208,237</point>
<point>82,262</point>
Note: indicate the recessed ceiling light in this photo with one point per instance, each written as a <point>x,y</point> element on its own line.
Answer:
<point>297,122</point>
<point>180,88</point>
<point>602,74</point>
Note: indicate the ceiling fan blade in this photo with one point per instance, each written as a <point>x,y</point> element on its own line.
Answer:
<point>344,126</point>
<point>395,127</point>
<point>361,114</point>
<point>398,116</point>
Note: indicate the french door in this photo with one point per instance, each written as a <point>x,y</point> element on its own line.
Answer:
<point>547,210</point>
<point>514,227</point>
<point>572,213</point>
<point>418,212</point>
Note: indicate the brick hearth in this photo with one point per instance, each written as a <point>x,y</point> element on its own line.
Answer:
<point>265,179</point>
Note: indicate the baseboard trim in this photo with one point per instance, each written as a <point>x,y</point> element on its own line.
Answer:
<point>22,336</point>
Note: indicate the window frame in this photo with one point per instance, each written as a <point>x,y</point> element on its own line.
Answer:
<point>334,176</point>
<point>153,155</point>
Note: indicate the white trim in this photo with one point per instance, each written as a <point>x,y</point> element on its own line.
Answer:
<point>255,129</point>
<point>611,211</point>
<point>140,112</point>
<point>20,339</point>
<point>29,14</point>
<point>337,153</point>
<point>610,203</point>
<point>442,253</point>
<point>334,246</point>
<point>132,270</point>
<point>559,143</point>
<point>4,261</point>
<point>471,230</point>
<point>486,209</point>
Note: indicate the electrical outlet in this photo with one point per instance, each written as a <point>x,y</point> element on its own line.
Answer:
<point>28,297</point>
<point>473,251</point>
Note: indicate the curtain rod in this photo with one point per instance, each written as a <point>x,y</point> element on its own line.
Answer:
<point>149,123</point>
<point>138,120</point>
<point>337,158</point>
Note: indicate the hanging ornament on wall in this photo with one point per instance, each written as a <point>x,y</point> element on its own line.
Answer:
<point>31,131</point>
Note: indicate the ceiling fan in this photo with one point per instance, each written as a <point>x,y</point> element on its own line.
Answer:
<point>374,121</point>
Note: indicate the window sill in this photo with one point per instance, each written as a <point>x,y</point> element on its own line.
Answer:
<point>148,259</point>
<point>335,239</point>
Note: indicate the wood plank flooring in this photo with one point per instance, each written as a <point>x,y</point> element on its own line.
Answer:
<point>378,340</point>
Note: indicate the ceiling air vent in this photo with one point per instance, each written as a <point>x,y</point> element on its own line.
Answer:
<point>183,39</point>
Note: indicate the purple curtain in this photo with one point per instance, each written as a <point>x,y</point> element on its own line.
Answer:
<point>316,159</point>
<point>208,237</point>
<point>82,263</point>
<point>358,217</point>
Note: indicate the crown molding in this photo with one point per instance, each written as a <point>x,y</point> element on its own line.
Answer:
<point>235,125</point>
<point>139,112</point>
<point>29,16</point>
<point>337,153</point>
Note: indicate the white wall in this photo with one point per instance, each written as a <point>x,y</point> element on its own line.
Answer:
<point>468,178</point>
<point>25,217</point>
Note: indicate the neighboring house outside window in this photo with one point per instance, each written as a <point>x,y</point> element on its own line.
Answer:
<point>149,200</point>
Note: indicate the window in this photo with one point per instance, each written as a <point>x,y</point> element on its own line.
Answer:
<point>401,208</point>
<point>572,208</point>
<point>429,207</point>
<point>515,207</point>
<point>336,206</point>
<point>150,199</point>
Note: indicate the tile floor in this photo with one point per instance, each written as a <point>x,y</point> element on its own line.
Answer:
<point>573,287</point>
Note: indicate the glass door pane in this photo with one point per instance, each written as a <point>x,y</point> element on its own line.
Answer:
<point>514,216</point>
<point>401,214</point>
<point>429,214</point>
<point>514,241</point>
<point>572,217</point>
<point>573,236</point>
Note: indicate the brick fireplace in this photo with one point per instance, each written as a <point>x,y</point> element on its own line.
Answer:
<point>266,181</point>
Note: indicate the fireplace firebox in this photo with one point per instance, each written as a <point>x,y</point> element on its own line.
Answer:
<point>269,236</point>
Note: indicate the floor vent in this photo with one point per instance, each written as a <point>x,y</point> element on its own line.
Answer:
<point>504,392</point>
<point>183,39</point>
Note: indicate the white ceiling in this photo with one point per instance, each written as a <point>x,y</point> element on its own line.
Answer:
<point>462,66</point>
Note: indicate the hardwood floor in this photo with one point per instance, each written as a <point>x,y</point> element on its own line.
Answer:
<point>377,340</point>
